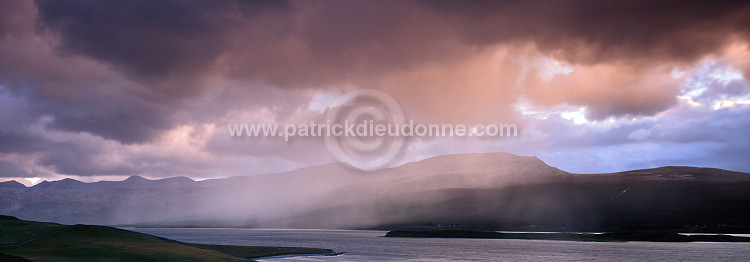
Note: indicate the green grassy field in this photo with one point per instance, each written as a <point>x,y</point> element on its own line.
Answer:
<point>15,230</point>
<point>41,242</point>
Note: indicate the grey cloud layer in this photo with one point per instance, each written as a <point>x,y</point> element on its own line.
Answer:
<point>127,72</point>
<point>169,47</point>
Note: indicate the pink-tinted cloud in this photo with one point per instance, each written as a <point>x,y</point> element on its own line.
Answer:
<point>95,88</point>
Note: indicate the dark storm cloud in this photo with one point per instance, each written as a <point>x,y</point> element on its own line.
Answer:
<point>129,126</point>
<point>18,142</point>
<point>170,45</point>
<point>76,94</point>
<point>11,169</point>
<point>290,44</point>
<point>588,31</point>
<point>116,76</point>
<point>276,40</point>
<point>151,38</point>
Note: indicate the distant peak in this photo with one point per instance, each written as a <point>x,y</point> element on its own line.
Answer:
<point>178,178</point>
<point>135,178</point>
<point>478,157</point>
<point>12,184</point>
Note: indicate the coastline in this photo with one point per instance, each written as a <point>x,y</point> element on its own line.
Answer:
<point>586,237</point>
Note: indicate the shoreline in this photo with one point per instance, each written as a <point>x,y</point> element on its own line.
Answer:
<point>332,254</point>
<point>584,237</point>
<point>23,240</point>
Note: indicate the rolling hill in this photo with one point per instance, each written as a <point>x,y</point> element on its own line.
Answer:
<point>488,191</point>
<point>36,241</point>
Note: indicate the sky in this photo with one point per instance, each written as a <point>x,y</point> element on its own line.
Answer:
<point>97,90</point>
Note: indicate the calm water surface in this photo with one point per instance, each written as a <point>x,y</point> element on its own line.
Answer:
<point>364,245</point>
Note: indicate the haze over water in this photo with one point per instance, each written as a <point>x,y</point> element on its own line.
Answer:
<point>624,116</point>
<point>362,245</point>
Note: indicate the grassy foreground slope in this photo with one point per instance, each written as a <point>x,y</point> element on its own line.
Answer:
<point>41,242</point>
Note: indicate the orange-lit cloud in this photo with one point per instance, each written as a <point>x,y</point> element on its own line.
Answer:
<point>95,89</point>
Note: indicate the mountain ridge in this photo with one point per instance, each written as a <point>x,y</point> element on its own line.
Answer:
<point>70,183</point>
<point>501,190</point>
